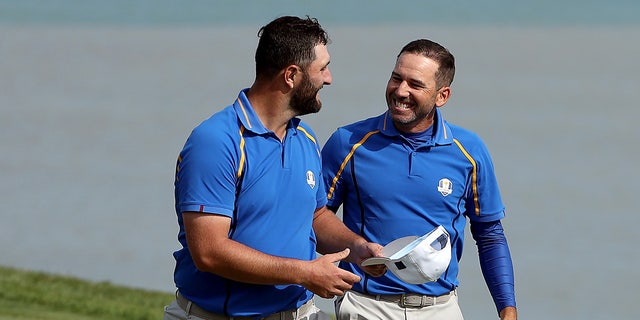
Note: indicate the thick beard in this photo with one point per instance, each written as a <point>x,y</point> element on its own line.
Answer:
<point>303,100</point>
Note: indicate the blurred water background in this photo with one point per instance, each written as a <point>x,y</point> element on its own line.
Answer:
<point>97,98</point>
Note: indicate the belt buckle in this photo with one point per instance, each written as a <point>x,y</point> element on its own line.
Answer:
<point>412,301</point>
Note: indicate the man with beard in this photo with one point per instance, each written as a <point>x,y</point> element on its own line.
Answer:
<point>249,198</point>
<point>435,174</point>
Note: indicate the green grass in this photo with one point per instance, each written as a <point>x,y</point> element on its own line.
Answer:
<point>26,295</point>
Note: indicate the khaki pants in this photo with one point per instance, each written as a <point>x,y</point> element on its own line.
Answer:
<point>190,311</point>
<point>357,306</point>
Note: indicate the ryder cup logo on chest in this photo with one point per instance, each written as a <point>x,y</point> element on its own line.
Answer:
<point>445,186</point>
<point>311,179</point>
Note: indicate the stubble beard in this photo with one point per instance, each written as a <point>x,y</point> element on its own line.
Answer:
<point>408,121</point>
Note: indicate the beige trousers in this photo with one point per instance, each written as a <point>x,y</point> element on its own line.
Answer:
<point>356,306</point>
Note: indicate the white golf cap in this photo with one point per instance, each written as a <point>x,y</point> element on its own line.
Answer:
<point>415,259</point>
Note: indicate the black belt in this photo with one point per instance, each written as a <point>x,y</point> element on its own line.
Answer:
<point>193,309</point>
<point>412,300</point>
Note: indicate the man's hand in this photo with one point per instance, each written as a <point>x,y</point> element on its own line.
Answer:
<point>509,313</point>
<point>365,250</point>
<point>325,279</point>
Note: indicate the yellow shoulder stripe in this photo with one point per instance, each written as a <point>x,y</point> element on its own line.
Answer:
<point>474,177</point>
<point>346,160</point>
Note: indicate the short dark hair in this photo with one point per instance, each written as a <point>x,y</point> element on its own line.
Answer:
<point>288,40</point>
<point>437,53</point>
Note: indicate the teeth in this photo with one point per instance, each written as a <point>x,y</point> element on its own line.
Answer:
<point>402,105</point>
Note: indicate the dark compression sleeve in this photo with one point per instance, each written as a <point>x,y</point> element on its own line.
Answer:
<point>495,262</point>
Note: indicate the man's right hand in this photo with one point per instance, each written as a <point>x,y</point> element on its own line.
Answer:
<point>324,278</point>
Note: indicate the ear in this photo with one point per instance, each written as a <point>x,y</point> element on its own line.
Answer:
<point>443,95</point>
<point>291,74</point>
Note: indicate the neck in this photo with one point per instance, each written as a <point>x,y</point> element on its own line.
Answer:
<point>271,107</point>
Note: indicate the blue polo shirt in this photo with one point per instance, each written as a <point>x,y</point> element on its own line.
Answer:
<point>232,165</point>
<point>389,188</point>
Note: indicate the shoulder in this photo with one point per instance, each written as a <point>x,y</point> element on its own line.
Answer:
<point>307,130</point>
<point>348,135</point>
<point>219,129</point>
<point>304,125</point>
<point>469,141</point>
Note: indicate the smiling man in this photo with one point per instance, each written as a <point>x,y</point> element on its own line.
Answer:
<point>406,172</point>
<point>249,199</point>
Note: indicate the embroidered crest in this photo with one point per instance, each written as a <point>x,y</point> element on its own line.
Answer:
<point>311,179</point>
<point>445,186</point>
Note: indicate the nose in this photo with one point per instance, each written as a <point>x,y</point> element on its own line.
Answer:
<point>327,77</point>
<point>402,90</point>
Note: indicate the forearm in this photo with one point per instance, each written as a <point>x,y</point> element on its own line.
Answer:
<point>212,251</point>
<point>239,262</point>
<point>495,262</point>
<point>333,236</point>
<point>321,276</point>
